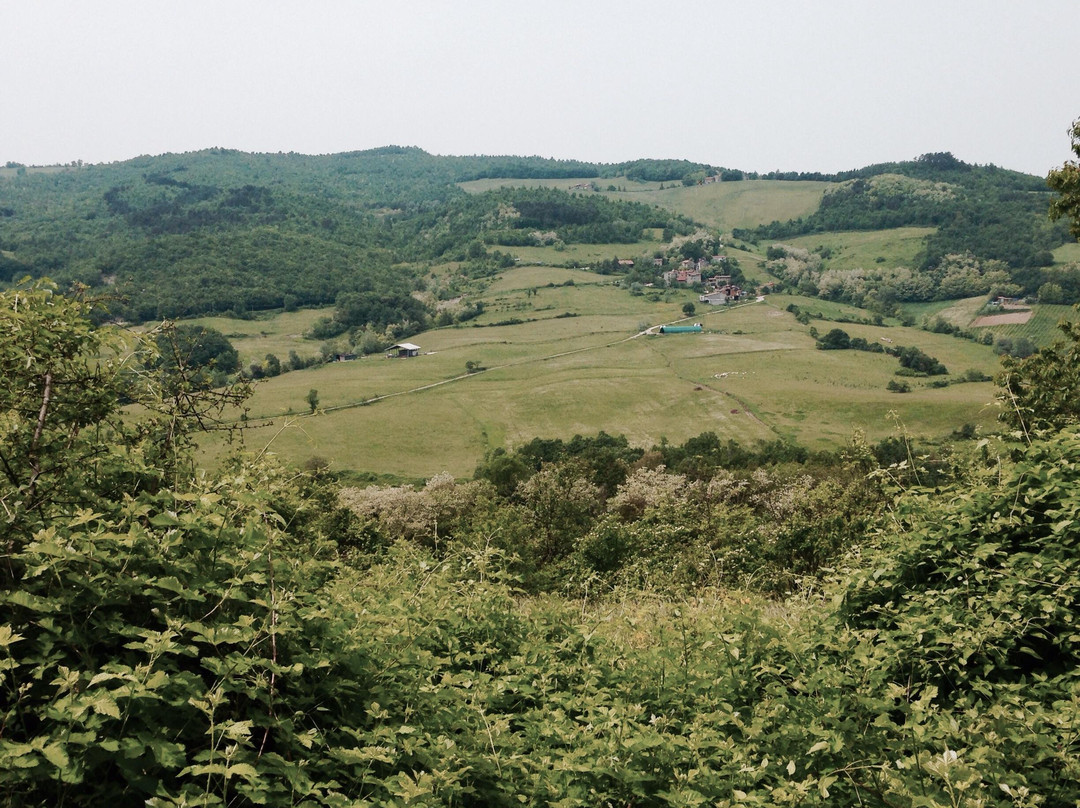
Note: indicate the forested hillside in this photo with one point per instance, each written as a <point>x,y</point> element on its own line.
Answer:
<point>224,231</point>
<point>985,210</point>
<point>221,231</point>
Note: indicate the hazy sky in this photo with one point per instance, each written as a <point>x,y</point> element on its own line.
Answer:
<point>816,85</point>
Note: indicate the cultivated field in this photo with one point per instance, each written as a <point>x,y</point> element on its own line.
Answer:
<point>753,374</point>
<point>1042,327</point>
<point>1018,317</point>
<point>1038,324</point>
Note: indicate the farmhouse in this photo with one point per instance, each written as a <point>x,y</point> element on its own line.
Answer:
<point>1007,302</point>
<point>403,349</point>
<point>686,277</point>
<point>725,294</point>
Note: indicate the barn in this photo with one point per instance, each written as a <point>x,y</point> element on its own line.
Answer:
<point>403,350</point>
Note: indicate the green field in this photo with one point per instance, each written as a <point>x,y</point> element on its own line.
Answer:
<point>1042,328</point>
<point>864,249</point>
<point>1067,253</point>
<point>6,171</point>
<point>277,334</point>
<point>960,313</point>
<point>727,205</point>
<point>723,205</point>
<point>753,373</point>
<point>581,253</point>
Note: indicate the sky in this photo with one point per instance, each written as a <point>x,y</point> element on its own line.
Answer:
<point>758,85</point>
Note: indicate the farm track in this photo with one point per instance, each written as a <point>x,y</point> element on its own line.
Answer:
<point>745,407</point>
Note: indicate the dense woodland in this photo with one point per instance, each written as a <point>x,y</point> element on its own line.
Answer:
<point>583,623</point>
<point>222,231</point>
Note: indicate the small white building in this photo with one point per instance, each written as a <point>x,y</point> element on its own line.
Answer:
<point>725,294</point>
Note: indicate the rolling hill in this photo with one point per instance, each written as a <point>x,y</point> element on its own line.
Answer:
<point>545,273</point>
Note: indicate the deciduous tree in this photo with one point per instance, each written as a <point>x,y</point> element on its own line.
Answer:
<point>1066,181</point>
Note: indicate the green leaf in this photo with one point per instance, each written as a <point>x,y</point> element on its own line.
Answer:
<point>245,770</point>
<point>8,636</point>
<point>56,755</point>
<point>105,705</point>
<point>824,783</point>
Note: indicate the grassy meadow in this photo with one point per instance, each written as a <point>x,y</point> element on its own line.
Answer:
<point>1067,253</point>
<point>753,374</point>
<point>960,313</point>
<point>277,334</point>
<point>865,249</point>
<point>581,253</point>
<point>723,205</point>
<point>727,205</point>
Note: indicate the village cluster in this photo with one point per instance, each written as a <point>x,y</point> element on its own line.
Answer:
<point>718,289</point>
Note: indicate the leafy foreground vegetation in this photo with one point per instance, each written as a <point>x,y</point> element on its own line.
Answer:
<point>172,638</point>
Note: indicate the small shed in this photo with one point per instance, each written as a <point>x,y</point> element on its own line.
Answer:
<point>681,329</point>
<point>403,350</point>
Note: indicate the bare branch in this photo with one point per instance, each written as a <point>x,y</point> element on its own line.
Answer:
<point>43,413</point>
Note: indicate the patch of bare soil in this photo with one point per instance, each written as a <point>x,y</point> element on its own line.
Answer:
<point>1012,318</point>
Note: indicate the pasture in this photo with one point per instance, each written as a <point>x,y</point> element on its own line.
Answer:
<point>1067,253</point>
<point>727,205</point>
<point>961,313</point>
<point>581,253</point>
<point>277,333</point>
<point>535,277</point>
<point>753,374</point>
<point>722,205</point>
<point>866,249</point>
